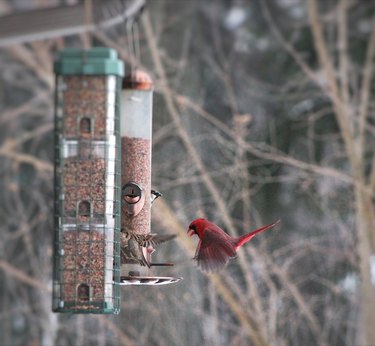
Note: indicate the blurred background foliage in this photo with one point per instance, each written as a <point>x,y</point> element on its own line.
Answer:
<point>262,110</point>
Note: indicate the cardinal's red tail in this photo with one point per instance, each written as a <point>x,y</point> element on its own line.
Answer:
<point>246,237</point>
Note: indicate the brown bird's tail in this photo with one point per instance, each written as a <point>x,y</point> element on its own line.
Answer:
<point>246,237</point>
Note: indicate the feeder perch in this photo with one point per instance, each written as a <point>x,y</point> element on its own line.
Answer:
<point>148,280</point>
<point>136,134</point>
<point>87,182</point>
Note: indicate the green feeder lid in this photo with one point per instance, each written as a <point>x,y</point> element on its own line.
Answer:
<point>95,61</point>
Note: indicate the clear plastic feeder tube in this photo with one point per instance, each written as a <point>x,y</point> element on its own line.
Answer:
<point>136,131</point>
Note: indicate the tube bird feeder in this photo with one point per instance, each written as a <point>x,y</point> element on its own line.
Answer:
<point>136,134</point>
<point>136,144</point>
<point>87,181</point>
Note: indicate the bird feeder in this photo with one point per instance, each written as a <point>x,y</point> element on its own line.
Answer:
<point>136,135</point>
<point>136,132</point>
<point>87,181</point>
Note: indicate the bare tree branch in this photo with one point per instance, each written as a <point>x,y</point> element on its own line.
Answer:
<point>365,93</point>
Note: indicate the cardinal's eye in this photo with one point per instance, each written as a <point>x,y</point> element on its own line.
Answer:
<point>193,227</point>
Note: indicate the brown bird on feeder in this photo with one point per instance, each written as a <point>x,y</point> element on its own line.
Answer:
<point>137,248</point>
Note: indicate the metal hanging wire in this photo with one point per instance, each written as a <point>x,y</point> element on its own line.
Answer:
<point>132,32</point>
<point>88,22</point>
<point>137,48</point>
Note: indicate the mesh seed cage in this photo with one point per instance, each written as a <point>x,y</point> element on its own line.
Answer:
<point>87,181</point>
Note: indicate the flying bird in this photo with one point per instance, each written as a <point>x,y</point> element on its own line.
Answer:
<point>137,248</point>
<point>216,247</point>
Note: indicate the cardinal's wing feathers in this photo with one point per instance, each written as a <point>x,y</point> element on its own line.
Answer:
<point>214,251</point>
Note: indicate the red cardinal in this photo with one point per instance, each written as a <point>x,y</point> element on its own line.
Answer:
<point>215,247</point>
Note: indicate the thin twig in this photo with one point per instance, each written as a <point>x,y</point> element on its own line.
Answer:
<point>343,51</point>
<point>341,112</point>
<point>365,91</point>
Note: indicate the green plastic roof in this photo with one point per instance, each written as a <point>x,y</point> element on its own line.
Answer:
<point>95,61</point>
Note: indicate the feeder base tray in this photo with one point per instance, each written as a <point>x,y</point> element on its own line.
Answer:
<point>148,280</point>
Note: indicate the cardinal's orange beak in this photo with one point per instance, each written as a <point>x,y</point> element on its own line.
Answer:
<point>191,232</point>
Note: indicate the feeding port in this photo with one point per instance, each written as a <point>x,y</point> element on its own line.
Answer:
<point>87,182</point>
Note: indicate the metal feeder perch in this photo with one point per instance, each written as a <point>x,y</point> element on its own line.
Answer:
<point>136,132</point>
<point>87,182</point>
<point>147,280</point>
